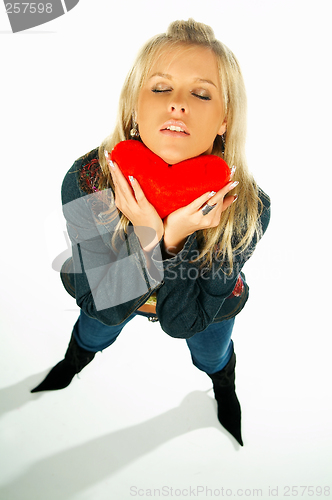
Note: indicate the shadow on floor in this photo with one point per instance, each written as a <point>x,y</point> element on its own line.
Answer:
<point>73,470</point>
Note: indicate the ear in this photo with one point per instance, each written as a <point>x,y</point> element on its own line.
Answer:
<point>223,128</point>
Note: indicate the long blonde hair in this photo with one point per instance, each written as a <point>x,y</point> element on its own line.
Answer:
<point>240,222</point>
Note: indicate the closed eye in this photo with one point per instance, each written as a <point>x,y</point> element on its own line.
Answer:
<point>203,97</point>
<point>157,91</point>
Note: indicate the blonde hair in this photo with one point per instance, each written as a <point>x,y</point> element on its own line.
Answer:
<point>240,222</point>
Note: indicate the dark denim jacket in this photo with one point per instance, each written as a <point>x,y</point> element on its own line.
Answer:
<point>110,279</point>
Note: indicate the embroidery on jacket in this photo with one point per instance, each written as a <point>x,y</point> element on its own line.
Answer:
<point>89,176</point>
<point>238,289</point>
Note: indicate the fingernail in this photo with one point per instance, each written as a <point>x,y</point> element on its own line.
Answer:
<point>234,184</point>
<point>131,178</point>
<point>212,194</point>
<point>236,197</point>
<point>232,172</point>
<point>106,153</point>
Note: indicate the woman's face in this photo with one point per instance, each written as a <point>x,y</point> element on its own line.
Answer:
<point>180,109</point>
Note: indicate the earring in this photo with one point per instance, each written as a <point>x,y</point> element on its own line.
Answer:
<point>134,131</point>
<point>223,142</point>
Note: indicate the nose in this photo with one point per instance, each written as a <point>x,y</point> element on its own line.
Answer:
<point>178,104</point>
<point>177,107</point>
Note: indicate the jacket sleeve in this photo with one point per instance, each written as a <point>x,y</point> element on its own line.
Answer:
<point>191,297</point>
<point>110,284</point>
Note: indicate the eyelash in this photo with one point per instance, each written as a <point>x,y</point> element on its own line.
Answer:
<point>202,97</point>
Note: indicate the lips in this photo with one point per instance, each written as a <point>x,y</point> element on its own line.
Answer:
<point>175,126</point>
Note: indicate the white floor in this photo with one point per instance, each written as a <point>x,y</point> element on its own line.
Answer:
<point>141,419</point>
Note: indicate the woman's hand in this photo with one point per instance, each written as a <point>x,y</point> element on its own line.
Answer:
<point>186,220</point>
<point>132,202</point>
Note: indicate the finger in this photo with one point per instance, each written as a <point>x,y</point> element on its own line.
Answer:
<point>212,197</point>
<point>114,169</point>
<point>138,191</point>
<point>232,172</point>
<point>201,200</point>
<point>220,195</point>
<point>228,201</point>
<point>206,209</point>
<point>213,219</point>
<point>120,181</point>
<point>111,165</point>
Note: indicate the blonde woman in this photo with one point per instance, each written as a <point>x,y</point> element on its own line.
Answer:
<point>183,98</point>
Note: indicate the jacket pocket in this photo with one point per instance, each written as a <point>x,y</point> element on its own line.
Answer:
<point>233,304</point>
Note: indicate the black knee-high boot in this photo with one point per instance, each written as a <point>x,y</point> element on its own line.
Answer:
<point>63,373</point>
<point>229,409</point>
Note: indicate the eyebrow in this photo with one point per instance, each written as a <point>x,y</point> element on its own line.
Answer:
<point>169,77</point>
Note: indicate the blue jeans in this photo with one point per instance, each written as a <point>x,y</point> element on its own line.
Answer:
<point>210,349</point>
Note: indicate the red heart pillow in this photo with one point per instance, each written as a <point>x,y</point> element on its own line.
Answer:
<point>169,187</point>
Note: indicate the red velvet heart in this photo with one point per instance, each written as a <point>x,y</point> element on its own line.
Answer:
<point>169,187</point>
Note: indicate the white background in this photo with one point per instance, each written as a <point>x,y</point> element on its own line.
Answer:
<point>140,415</point>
